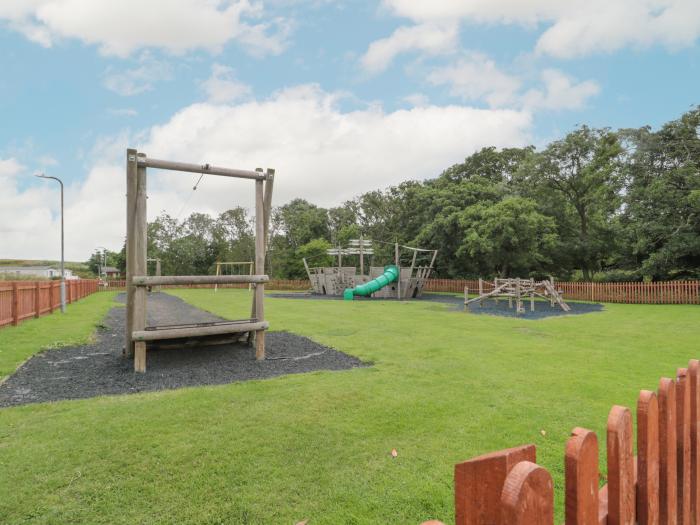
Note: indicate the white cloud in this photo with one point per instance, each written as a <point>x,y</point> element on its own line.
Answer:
<point>416,100</point>
<point>222,85</point>
<point>9,167</point>
<point>122,27</point>
<point>321,153</point>
<point>431,39</point>
<point>560,92</point>
<point>477,77</point>
<point>573,27</point>
<point>139,79</point>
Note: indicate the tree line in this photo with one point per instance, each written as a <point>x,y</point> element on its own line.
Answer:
<point>597,204</point>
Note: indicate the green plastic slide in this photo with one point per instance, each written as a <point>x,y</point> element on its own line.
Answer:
<point>391,274</point>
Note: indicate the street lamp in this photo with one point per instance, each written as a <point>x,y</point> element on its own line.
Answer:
<point>63,273</point>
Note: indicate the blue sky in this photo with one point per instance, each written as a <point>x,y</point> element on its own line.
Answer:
<point>340,97</point>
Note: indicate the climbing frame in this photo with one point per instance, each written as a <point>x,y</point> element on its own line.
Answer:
<point>137,334</point>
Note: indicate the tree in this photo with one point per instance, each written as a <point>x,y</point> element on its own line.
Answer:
<point>662,212</point>
<point>510,237</point>
<point>578,181</point>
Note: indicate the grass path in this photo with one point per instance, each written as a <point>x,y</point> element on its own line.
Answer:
<point>445,386</point>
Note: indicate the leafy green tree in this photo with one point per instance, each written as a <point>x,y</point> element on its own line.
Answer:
<point>578,181</point>
<point>508,238</point>
<point>662,212</point>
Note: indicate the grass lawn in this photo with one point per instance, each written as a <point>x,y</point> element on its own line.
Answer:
<point>76,326</point>
<point>445,386</point>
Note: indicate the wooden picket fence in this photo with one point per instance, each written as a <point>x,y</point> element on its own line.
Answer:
<point>671,292</point>
<point>661,485</point>
<point>274,284</point>
<point>20,300</point>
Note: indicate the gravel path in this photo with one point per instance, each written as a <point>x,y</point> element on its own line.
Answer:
<point>98,368</point>
<point>490,307</point>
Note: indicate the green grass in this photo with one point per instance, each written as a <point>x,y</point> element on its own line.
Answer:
<point>76,326</point>
<point>445,386</point>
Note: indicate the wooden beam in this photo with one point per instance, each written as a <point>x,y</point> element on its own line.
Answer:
<point>145,280</point>
<point>259,267</point>
<point>198,331</point>
<point>206,169</point>
<point>140,228</point>
<point>131,169</point>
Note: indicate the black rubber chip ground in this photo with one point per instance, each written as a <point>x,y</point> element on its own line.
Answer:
<point>490,306</point>
<point>75,372</point>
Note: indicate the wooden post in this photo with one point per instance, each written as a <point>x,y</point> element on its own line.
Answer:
<point>621,485</point>
<point>479,481</point>
<point>267,214</point>
<point>667,451</point>
<point>157,273</point>
<point>398,265</point>
<point>466,296</point>
<point>694,383</point>
<point>528,496</point>
<point>362,256</point>
<point>481,291</point>
<point>647,458</point>
<point>15,304</point>
<point>551,296</point>
<point>581,471</point>
<point>37,298</point>
<point>683,445</point>
<point>140,228</point>
<point>532,294</point>
<point>131,180</point>
<point>259,267</point>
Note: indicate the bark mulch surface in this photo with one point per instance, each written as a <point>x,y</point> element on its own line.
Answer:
<point>489,307</point>
<point>98,368</point>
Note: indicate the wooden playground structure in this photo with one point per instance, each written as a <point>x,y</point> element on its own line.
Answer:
<point>137,279</point>
<point>334,280</point>
<point>516,289</point>
<point>221,266</point>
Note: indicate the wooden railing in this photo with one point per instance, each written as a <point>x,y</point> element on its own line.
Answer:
<point>661,485</point>
<point>20,300</point>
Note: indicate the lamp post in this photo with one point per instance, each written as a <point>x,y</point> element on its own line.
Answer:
<point>63,273</point>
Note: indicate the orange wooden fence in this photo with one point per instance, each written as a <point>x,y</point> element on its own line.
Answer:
<point>670,292</point>
<point>660,485</point>
<point>21,300</point>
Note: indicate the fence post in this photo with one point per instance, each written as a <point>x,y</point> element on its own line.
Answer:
<point>528,496</point>
<point>667,451</point>
<point>15,303</point>
<point>693,381</point>
<point>479,482</point>
<point>621,486</point>
<point>683,445</point>
<point>37,298</point>
<point>581,474</point>
<point>647,458</point>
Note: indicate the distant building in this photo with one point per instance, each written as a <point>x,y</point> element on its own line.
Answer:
<point>44,272</point>
<point>110,272</point>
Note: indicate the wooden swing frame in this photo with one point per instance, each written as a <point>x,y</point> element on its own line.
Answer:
<point>136,260</point>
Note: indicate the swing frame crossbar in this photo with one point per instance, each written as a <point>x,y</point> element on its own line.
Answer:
<point>137,334</point>
<point>219,264</point>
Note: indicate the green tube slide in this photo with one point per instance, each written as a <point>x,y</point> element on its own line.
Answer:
<point>391,274</point>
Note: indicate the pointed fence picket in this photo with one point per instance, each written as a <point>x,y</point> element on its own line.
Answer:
<point>660,485</point>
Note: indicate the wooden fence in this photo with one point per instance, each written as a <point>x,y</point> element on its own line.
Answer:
<point>671,292</point>
<point>661,485</point>
<point>20,300</point>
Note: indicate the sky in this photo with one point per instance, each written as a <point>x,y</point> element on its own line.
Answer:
<point>339,97</point>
